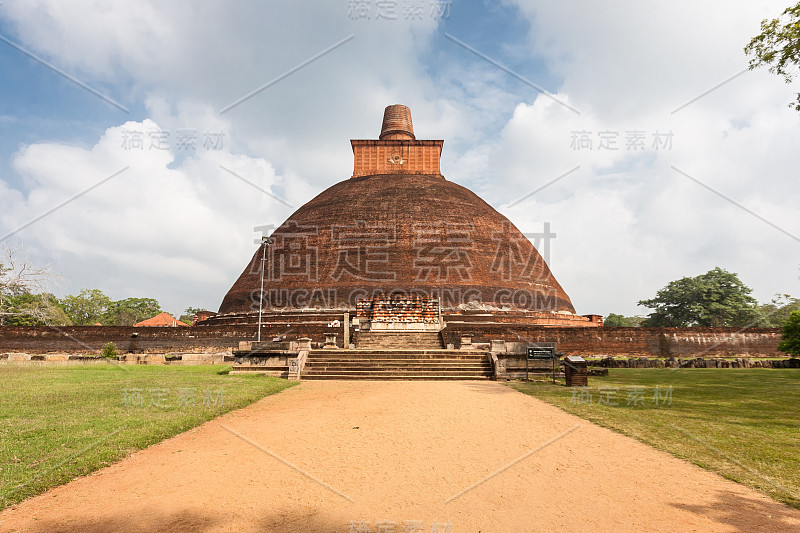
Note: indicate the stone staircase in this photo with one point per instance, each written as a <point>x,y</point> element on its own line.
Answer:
<point>398,340</point>
<point>400,364</point>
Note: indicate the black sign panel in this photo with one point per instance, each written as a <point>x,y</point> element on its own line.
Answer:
<point>541,352</point>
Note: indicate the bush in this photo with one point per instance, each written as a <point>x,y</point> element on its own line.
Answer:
<point>109,351</point>
<point>791,335</point>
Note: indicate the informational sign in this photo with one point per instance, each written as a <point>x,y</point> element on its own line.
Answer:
<point>541,352</point>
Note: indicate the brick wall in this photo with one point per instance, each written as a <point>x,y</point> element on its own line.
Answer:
<point>91,339</point>
<point>396,157</point>
<point>630,342</point>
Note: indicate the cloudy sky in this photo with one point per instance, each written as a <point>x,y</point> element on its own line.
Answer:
<point>136,138</point>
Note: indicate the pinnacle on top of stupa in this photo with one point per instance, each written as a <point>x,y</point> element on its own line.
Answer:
<point>397,123</point>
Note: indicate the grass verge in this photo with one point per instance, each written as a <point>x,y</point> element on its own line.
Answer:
<point>741,423</point>
<point>61,422</point>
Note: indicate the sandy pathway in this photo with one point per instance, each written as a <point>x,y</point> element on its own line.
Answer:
<point>394,453</point>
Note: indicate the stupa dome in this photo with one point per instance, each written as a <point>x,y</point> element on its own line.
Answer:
<point>397,227</point>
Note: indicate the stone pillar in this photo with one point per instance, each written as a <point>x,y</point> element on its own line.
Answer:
<point>497,346</point>
<point>330,341</point>
<point>304,344</point>
<point>346,330</point>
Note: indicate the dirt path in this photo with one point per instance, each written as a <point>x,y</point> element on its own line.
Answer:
<point>336,456</point>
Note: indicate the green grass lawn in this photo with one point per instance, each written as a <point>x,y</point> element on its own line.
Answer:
<point>741,423</point>
<point>60,422</point>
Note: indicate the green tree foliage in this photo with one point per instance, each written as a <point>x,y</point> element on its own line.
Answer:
<point>776,313</point>
<point>614,320</point>
<point>87,308</point>
<point>791,335</point>
<point>778,45</point>
<point>28,309</point>
<point>188,315</point>
<point>92,306</point>
<point>109,351</point>
<point>716,298</point>
<point>18,281</point>
<point>129,311</point>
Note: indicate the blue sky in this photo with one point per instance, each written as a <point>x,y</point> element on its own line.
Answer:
<point>175,227</point>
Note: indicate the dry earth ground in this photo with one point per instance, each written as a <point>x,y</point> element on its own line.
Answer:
<point>397,452</point>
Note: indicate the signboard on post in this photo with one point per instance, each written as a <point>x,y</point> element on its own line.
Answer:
<point>541,352</point>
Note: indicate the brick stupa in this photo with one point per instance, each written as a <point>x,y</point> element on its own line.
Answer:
<point>398,228</point>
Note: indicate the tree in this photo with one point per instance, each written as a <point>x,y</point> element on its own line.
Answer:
<point>614,320</point>
<point>778,45</point>
<point>791,335</point>
<point>776,313</point>
<point>18,277</point>
<point>28,309</point>
<point>188,315</point>
<point>87,308</point>
<point>716,298</point>
<point>129,311</point>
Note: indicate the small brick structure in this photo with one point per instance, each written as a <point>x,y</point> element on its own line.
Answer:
<point>414,309</point>
<point>576,371</point>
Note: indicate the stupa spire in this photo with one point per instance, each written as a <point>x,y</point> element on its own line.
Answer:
<point>397,150</point>
<point>397,123</point>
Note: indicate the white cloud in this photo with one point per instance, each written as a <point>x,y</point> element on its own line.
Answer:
<point>628,223</point>
<point>154,229</point>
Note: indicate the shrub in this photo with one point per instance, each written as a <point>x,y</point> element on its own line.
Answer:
<point>791,335</point>
<point>109,351</point>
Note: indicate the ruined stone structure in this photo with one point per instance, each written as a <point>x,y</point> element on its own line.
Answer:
<point>396,273</point>
<point>662,343</point>
<point>398,230</point>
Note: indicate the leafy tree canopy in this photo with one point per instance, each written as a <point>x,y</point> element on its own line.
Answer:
<point>87,308</point>
<point>716,298</point>
<point>791,335</point>
<point>188,315</point>
<point>28,309</point>
<point>778,45</point>
<point>18,280</point>
<point>129,311</point>
<point>614,320</point>
<point>776,313</point>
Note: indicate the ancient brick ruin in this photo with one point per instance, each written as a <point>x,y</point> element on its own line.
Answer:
<point>395,273</point>
<point>397,229</point>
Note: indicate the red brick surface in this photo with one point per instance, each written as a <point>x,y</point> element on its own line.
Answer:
<point>394,233</point>
<point>396,157</point>
<point>629,342</point>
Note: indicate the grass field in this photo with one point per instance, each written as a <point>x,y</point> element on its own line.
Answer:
<point>741,423</point>
<point>60,422</point>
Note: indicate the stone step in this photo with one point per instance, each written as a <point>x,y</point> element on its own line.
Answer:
<point>364,366</point>
<point>402,346</point>
<point>406,377</point>
<point>398,339</point>
<point>396,357</point>
<point>406,359</point>
<point>337,369</point>
<point>398,364</point>
<point>356,354</point>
